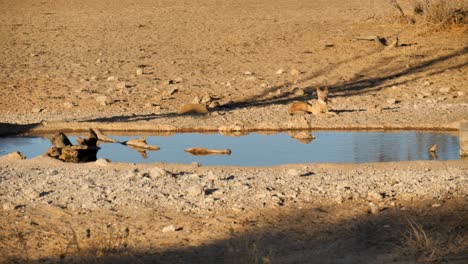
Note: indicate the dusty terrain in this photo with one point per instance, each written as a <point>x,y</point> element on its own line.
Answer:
<point>71,65</point>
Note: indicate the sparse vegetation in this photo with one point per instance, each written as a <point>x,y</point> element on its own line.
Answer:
<point>418,240</point>
<point>435,13</point>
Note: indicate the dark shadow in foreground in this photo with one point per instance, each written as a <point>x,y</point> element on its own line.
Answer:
<point>437,234</point>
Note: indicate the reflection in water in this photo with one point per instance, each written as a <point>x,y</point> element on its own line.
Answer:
<point>264,150</point>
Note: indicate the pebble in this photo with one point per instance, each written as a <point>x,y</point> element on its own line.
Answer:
<point>103,99</point>
<point>36,110</point>
<point>139,71</point>
<point>298,91</point>
<point>194,190</point>
<point>295,72</point>
<point>460,93</point>
<point>169,228</point>
<point>178,80</point>
<point>14,156</point>
<point>102,162</point>
<point>121,85</point>
<point>293,172</point>
<point>251,78</point>
<point>280,71</point>
<point>172,91</point>
<point>7,206</point>
<point>248,73</point>
<point>373,208</point>
<point>374,196</point>
<point>196,100</point>
<point>111,78</point>
<point>392,101</point>
<point>68,105</point>
<point>157,172</point>
<point>167,82</point>
<point>206,99</point>
<point>445,90</point>
<point>211,176</point>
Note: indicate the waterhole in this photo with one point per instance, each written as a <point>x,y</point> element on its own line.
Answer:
<point>257,149</point>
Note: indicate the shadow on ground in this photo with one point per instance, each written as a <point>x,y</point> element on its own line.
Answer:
<point>346,234</point>
<point>382,74</point>
<point>7,129</point>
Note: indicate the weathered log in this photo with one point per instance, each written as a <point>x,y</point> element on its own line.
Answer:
<point>60,140</point>
<point>141,143</point>
<point>102,137</point>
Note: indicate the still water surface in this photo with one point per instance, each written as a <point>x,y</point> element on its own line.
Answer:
<point>264,150</point>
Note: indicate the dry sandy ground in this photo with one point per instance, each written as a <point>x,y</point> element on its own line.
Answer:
<point>73,65</point>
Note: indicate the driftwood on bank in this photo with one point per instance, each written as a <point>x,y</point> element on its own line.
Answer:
<point>199,151</point>
<point>62,149</point>
<point>102,137</point>
<point>141,144</point>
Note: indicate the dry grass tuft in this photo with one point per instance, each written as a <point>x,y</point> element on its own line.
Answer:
<point>438,14</point>
<point>418,240</point>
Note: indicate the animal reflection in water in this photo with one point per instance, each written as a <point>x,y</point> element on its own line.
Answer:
<point>199,151</point>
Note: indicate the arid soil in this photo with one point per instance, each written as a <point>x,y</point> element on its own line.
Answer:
<point>130,65</point>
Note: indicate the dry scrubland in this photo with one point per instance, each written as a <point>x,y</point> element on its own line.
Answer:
<point>129,65</point>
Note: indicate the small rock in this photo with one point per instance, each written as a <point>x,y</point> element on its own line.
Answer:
<point>248,73</point>
<point>121,85</point>
<point>214,104</point>
<point>339,199</point>
<point>195,164</point>
<point>103,100</point>
<point>7,206</point>
<point>36,110</point>
<point>293,172</point>
<point>98,61</point>
<point>211,176</point>
<point>93,78</point>
<point>102,162</point>
<point>251,78</point>
<point>194,190</point>
<point>374,209</point>
<point>280,71</point>
<point>295,72</point>
<point>196,100</point>
<point>157,172</point>
<point>392,101</point>
<point>139,71</point>
<point>169,228</point>
<point>167,82</point>
<point>445,90</point>
<point>206,99</point>
<point>178,80</point>
<point>111,78</point>
<point>460,93</point>
<point>374,108</point>
<point>374,196</point>
<point>68,105</point>
<point>427,93</point>
<point>14,156</point>
<point>436,205</point>
<point>31,194</point>
<point>172,91</point>
<point>298,91</point>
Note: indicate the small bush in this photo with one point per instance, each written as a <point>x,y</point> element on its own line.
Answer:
<point>437,13</point>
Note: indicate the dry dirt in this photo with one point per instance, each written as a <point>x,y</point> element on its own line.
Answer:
<point>71,65</point>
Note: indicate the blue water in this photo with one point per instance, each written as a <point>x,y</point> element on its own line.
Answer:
<point>264,150</point>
